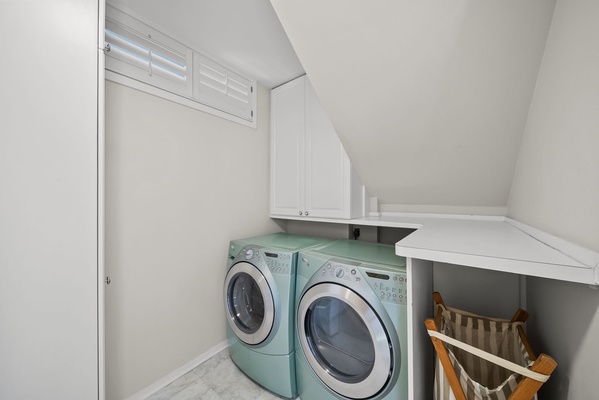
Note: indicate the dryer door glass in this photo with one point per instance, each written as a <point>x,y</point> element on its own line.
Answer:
<point>344,341</point>
<point>340,340</point>
<point>249,303</point>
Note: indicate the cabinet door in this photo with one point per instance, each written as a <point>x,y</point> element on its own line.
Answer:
<point>327,164</point>
<point>49,201</point>
<point>287,149</point>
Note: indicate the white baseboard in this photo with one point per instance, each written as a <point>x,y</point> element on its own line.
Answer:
<point>179,372</point>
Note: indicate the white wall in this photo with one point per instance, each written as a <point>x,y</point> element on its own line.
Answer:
<point>564,323</point>
<point>49,200</point>
<point>180,185</point>
<point>483,292</point>
<point>556,188</point>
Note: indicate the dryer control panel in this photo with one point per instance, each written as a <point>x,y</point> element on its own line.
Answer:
<point>389,287</point>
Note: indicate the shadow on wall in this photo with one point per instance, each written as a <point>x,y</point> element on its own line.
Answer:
<point>364,233</point>
<point>564,323</point>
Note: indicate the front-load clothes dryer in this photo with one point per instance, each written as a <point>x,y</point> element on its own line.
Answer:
<point>351,333</point>
<point>259,294</point>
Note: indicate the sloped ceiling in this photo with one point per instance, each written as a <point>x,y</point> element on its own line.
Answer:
<point>429,97</point>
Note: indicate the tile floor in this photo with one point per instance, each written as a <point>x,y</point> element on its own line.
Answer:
<point>216,379</point>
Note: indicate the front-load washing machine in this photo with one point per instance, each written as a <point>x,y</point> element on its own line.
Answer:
<point>259,302</point>
<point>351,333</point>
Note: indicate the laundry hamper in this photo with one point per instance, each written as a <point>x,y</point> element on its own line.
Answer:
<point>481,358</point>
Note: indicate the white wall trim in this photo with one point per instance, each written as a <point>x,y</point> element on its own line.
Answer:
<point>442,209</point>
<point>474,217</point>
<point>147,88</point>
<point>581,254</point>
<point>101,216</point>
<point>179,372</point>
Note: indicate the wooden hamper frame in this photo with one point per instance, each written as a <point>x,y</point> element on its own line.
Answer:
<point>527,387</point>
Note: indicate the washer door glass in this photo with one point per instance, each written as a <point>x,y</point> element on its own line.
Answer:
<point>344,341</point>
<point>249,303</point>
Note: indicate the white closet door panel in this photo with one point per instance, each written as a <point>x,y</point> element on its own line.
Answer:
<point>49,200</point>
<point>287,149</point>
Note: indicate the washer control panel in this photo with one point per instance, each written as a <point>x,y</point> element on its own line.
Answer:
<point>277,262</point>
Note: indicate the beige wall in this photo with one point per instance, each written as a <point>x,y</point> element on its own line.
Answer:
<point>556,188</point>
<point>180,185</point>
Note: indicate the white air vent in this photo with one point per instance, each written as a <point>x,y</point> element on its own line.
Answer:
<point>146,59</point>
<point>134,49</point>
<point>220,87</point>
<point>142,53</point>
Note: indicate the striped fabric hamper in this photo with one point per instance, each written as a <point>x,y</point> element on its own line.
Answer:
<point>489,356</point>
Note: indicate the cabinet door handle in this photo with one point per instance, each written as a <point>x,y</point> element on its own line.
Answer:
<point>301,213</point>
<point>306,213</point>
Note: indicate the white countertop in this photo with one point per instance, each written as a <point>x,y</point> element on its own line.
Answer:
<point>494,243</point>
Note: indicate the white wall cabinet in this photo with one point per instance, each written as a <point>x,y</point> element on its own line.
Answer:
<point>311,175</point>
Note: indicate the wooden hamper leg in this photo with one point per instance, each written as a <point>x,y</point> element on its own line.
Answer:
<point>520,316</point>
<point>438,299</point>
<point>527,387</point>
<point>454,382</point>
